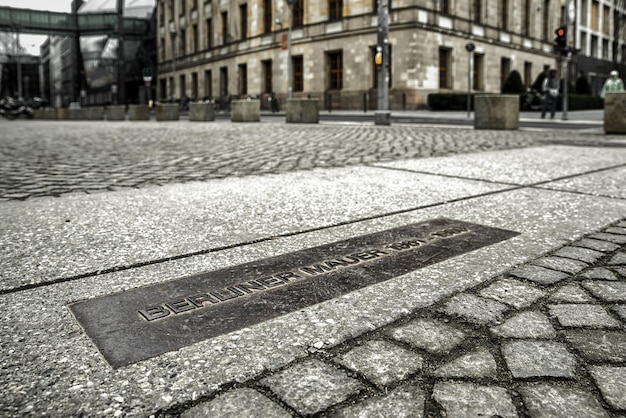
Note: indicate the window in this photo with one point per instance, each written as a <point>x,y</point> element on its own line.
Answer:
<point>162,48</point>
<point>224,27</point>
<point>267,16</point>
<point>172,9</point>
<point>194,85</point>
<point>163,88</point>
<point>528,74</point>
<point>297,16</point>
<point>183,7</point>
<point>243,20</point>
<point>445,80</point>
<point>266,66</point>
<point>526,21</point>
<point>161,15</point>
<point>504,14</point>
<point>224,82</point>
<point>478,71</point>
<point>477,11</point>
<point>505,69</point>
<point>335,70</point>
<point>243,79</point>
<point>183,42</point>
<point>182,88</point>
<point>335,9</point>
<point>444,6</point>
<point>297,63</point>
<point>194,6</point>
<point>582,13</point>
<point>194,36</point>
<point>595,15</point>
<point>605,19</point>
<point>208,84</point>
<point>209,33</point>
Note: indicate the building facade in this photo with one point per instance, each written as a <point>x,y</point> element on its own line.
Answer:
<point>223,49</point>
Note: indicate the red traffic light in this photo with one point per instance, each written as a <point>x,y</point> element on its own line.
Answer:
<point>560,32</point>
<point>561,37</point>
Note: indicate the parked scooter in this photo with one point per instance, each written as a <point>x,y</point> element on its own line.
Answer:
<point>11,108</point>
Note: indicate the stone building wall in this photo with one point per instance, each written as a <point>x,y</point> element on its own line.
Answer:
<point>417,33</point>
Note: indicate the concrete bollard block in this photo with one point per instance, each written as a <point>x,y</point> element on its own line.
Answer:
<point>302,111</point>
<point>62,114</point>
<point>245,111</point>
<point>615,113</point>
<point>496,111</point>
<point>138,112</point>
<point>94,113</point>
<point>78,114</point>
<point>116,112</point>
<point>201,112</point>
<point>167,111</point>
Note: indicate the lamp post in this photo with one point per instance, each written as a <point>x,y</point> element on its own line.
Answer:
<point>173,87</point>
<point>289,75</point>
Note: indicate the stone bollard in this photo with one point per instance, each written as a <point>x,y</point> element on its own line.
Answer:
<point>167,111</point>
<point>302,111</point>
<point>615,113</point>
<point>78,114</point>
<point>245,111</point>
<point>138,112</point>
<point>496,111</point>
<point>94,113</point>
<point>116,112</point>
<point>201,112</point>
<point>62,113</point>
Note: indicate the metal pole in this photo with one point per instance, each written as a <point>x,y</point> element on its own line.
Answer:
<point>289,75</point>
<point>570,11</point>
<point>121,84</point>
<point>469,83</point>
<point>382,116</point>
<point>173,87</point>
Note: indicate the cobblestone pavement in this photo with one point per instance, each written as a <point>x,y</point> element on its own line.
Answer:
<point>43,158</point>
<point>547,339</point>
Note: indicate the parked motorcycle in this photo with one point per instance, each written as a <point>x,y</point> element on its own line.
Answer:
<point>533,100</point>
<point>11,108</point>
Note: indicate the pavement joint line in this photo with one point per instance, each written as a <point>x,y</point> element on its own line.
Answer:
<point>422,378</point>
<point>243,244</point>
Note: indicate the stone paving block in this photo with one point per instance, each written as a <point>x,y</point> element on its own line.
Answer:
<point>461,400</point>
<point>583,315</point>
<point>530,324</point>
<point>528,358</point>
<point>621,270</point>
<point>539,274</point>
<point>381,362</point>
<point>552,401</point>
<point>581,254</point>
<point>561,264</point>
<point>571,293</point>
<point>431,335</point>
<point>612,383</point>
<point>607,291</point>
<point>238,403</point>
<point>477,364</point>
<point>595,244</point>
<point>599,345</point>
<point>621,311</point>
<point>618,259</point>
<point>312,386</point>
<point>619,230</point>
<point>402,402</point>
<point>475,309</point>
<point>599,273</point>
<point>512,292</point>
<point>614,238</point>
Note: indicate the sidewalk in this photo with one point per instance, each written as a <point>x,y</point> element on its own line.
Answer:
<point>479,284</point>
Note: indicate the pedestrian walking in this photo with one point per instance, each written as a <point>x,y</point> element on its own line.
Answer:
<point>550,90</point>
<point>613,83</point>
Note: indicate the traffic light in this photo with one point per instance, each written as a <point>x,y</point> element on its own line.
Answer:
<point>561,37</point>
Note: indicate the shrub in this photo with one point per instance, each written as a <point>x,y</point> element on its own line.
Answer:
<point>449,101</point>
<point>513,84</point>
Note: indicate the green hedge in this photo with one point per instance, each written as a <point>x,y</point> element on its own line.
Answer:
<point>458,101</point>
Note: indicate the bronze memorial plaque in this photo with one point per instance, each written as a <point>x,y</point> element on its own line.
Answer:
<point>144,322</point>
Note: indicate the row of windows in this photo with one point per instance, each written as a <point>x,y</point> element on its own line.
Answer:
<point>335,74</point>
<point>335,12</point>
